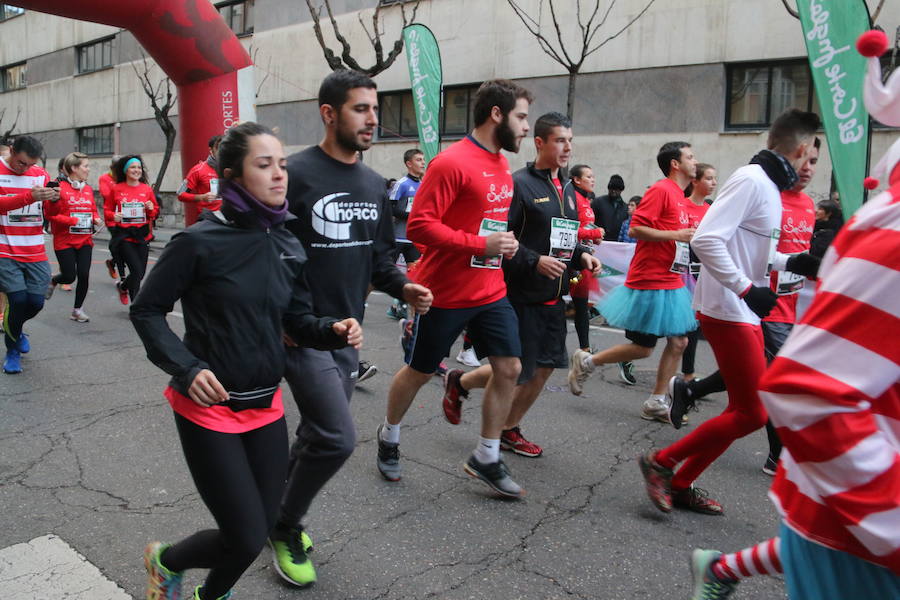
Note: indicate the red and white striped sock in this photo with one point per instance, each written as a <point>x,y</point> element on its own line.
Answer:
<point>761,559</point>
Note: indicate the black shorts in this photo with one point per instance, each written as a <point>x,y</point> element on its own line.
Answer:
<point>493,329</point>
<point>409,251</point>
<point>646,340</point>
<point>542,332</point>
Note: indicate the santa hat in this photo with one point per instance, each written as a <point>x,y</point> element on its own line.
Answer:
<point>882,99</point>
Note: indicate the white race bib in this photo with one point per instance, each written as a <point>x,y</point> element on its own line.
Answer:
<point>563,238</point>
<point>214,186</point>
<point>773,245</point>
<point>85,223</point>
<point>682,260</point>
<point>26,216</point>
<point>133,212</point>
<point>488,226</point>
<point>787,283</point>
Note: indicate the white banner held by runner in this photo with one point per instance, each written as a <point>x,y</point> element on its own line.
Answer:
<point>615,258</point>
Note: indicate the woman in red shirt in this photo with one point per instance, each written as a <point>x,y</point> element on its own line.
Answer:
<point>588,234</point>
<point>133,209</point>
<point>73,219</point>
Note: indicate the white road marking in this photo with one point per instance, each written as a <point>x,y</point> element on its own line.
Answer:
<point>47,568</point>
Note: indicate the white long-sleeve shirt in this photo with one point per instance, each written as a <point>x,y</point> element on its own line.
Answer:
<point>735,243</point>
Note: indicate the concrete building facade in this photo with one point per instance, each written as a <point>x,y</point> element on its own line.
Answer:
<point>711,72</point>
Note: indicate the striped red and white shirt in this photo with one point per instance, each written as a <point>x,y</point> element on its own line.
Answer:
<point>21,218</point>
<point>833,393</point>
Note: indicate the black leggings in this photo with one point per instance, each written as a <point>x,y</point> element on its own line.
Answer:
<point>135,257</point>
<point>20,306</point>
<point>690,352</point>
<point>240,477</point>
<point>75,263</point>
<point>582,320</point>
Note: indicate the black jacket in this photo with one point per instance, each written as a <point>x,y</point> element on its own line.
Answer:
<point>240,286</point>
<point>535,202</point>
<point>609,214</point>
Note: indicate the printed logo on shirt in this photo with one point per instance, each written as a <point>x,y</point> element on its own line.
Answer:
<point>541,200</point>
<point>505,193</point>
<point>486,174</point>
<point>801,227</point>
<point>332,216</point>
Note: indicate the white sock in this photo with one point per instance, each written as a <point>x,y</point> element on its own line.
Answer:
<point>660,398</point>
<point>390,433</point>
<point>588,362</point>
<point>487,451</point>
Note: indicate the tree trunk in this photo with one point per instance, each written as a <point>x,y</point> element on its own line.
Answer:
<point>170,133</point>
<point>570,98</point>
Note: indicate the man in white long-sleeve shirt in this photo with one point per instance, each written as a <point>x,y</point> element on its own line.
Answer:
<point>735,243</point>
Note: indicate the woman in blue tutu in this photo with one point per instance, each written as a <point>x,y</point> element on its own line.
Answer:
<point>653,302</point>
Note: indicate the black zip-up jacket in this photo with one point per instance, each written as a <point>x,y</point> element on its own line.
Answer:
<point>240,286</point>
<point>535,202</point>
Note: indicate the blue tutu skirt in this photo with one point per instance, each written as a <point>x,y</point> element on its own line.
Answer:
<point>656,312</point>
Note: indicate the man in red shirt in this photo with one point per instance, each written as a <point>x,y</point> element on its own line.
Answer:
<point>460,215</point>
<point>653,302</point>
<point>202,182</point>
<point>24,270</point>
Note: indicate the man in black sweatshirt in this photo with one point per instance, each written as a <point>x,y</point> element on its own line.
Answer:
<point>344,222</point>
<point>544,218</point>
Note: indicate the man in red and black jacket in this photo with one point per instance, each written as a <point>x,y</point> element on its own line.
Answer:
<point>202,182</point>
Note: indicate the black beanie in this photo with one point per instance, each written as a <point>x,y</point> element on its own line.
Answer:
<point>616,183</point>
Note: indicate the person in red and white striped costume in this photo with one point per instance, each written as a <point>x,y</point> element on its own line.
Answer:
<point>833,394</point>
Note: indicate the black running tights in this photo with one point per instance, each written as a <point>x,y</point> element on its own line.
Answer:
<point>582,322</point>
<point>135,257</point>
<point>20,306</point>
<point>240,477</point>
<point>75,263</point>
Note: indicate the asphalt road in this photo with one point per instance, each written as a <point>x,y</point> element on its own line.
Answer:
<point>89,453</point>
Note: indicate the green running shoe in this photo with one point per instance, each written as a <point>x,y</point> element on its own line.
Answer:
<point>196,595</point>
<point>291,549</point>
<point>706,585</point>
<point>162,584</point>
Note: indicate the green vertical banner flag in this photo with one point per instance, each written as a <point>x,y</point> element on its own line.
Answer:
<point>425,76</point>
<point>831,28</point>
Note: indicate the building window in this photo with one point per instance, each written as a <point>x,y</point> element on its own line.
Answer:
<point>95,56</point>
<point>397,118</point>
<point>12,77</point>
<point>96,140</point>
<point>8,12</point>
<point>238,15</point>
<point>759,92</point>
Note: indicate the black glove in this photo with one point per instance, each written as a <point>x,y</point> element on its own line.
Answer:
<point>804,264</point>
<point>761,300</point>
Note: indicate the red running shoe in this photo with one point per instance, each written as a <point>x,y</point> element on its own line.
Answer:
<point>111,268</point>
<point>453,392</point>
<point>123,293</point>
<point>697,500</point>
<point>658,481</point>
<point>514,441</point>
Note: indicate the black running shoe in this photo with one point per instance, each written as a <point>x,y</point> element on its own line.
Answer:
<point>626,372</point>
<point>366,371</point>
<point>770,467</point>
<point>496,475</point>
<point>388,458</point>
<point>679,400</point>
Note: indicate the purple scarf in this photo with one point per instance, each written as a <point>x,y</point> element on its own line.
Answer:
<point>239,200</point>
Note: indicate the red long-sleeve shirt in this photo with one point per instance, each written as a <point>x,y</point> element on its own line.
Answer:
<point>201,179</point>
<point>21,218</point>
<point>124,193</point>
<point>465,185</point>
<point>72,216</point>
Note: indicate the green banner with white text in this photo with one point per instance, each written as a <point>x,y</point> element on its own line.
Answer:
<point>830,28</point>
<point>425,76</point>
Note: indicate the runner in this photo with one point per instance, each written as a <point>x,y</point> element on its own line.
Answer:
<point>72,221</point>
<point>401,196</point>
<point>24,270</point>
<point>132,209</point>
<point>460,214</point>
<point>344,222</point>
<point>653,302</point>
<point>202,182</point>
<point>736,244</point>
<point>588,234</point>
<point>236,270</point>
<point>115,266</point>
<point>544,217</point>
<point>695,207</point>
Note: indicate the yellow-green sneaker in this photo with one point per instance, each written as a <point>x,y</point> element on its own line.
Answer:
<point>196,595</point>
<point>291,548</point>
<point>162,584</point>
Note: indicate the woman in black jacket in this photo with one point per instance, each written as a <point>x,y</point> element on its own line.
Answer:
<point>240,277</point>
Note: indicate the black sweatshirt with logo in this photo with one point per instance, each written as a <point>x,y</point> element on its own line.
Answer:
<point>345,223</point>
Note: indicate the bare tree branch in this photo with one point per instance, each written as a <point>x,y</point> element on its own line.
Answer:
<point>161,103</point>
<point>791,11</point>
<point>346,60</point>
<point>877,11</point>
<point>4,137</point>
<point>618,33</point>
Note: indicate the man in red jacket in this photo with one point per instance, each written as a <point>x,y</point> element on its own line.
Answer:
<point>202,183</point>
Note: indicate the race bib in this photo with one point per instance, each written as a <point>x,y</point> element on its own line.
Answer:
<point>488,226</point>
<point>563,237</point>
<point>409,203</point>
<point>773,245</point>
<point>787,283</point>
<point>27,215</point>
<point>214,186</point>
<point>85,223</point>
<point>133,212</point>
<point>682,261</point>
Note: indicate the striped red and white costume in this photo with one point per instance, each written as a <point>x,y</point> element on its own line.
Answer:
<point>21,218</point>
<point>834,395</point>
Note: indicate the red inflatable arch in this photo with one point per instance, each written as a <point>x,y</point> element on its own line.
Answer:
<point>189,40</point>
